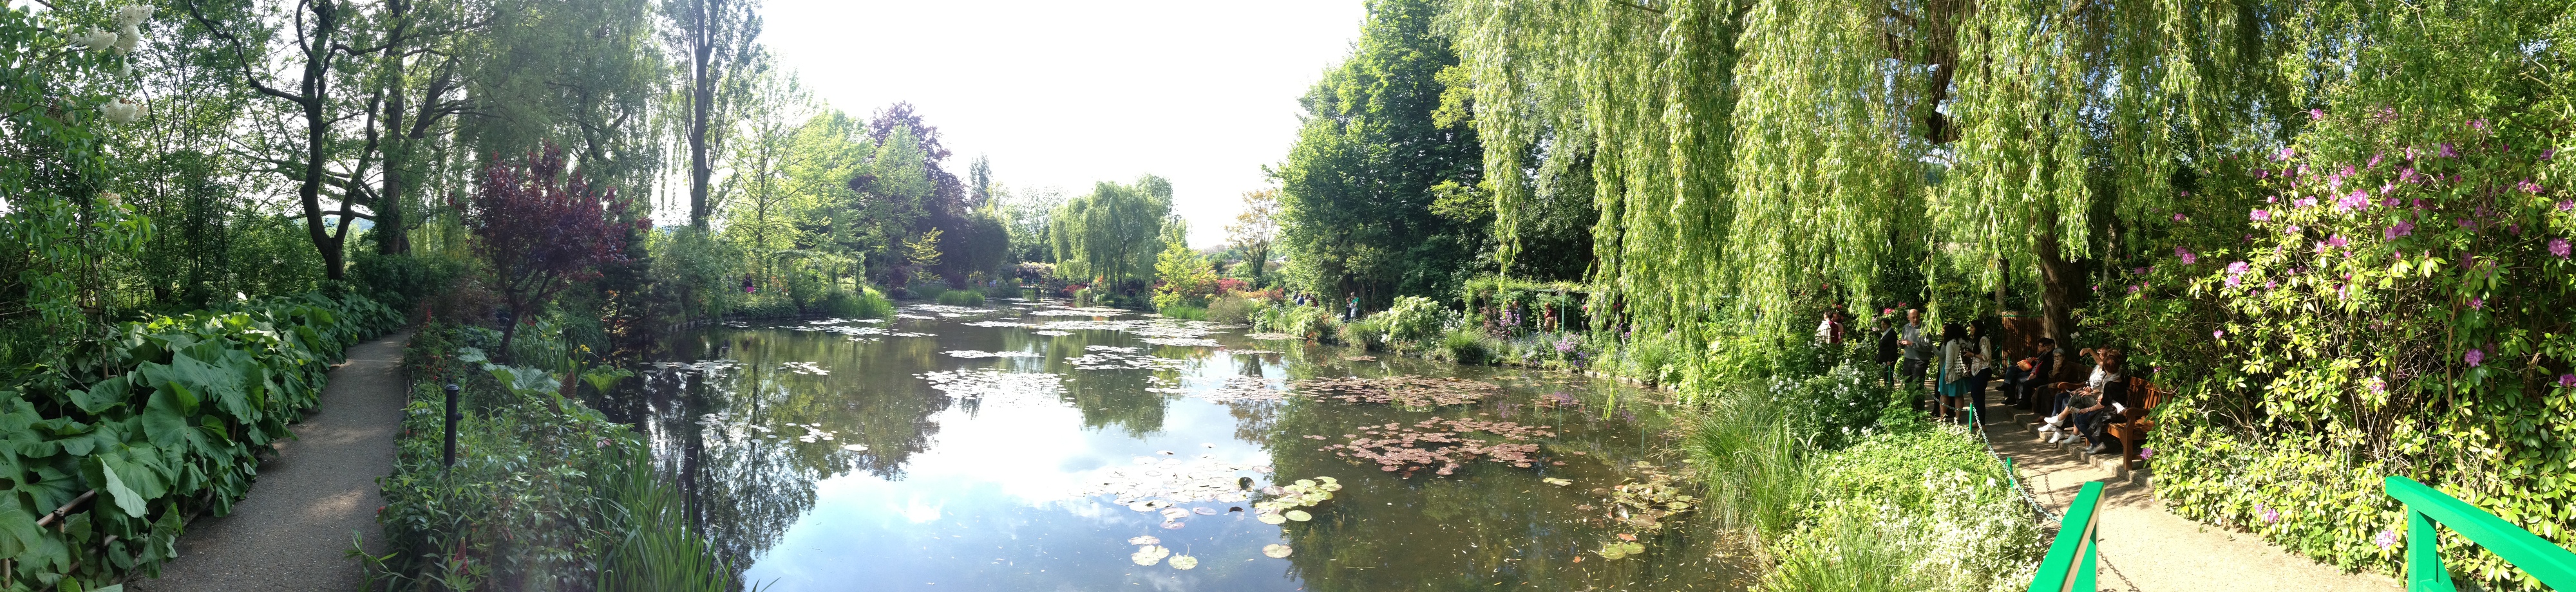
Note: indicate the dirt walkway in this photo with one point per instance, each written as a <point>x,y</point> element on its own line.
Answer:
<point>292,533</point>
<point>2145,548</point>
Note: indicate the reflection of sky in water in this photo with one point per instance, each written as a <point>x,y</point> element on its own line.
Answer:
<point>992,506</point>
<point>984,493</point>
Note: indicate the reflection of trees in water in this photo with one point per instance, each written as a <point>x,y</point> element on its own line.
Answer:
<point>745,492</point>
<point>1107,397</point>
<point>1492,524</point>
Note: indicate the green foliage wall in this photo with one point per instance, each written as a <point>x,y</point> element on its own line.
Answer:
<point>159,423</point>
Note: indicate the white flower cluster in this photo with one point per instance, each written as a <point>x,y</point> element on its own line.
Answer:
<point>129,21</point>
<point>122,110</point>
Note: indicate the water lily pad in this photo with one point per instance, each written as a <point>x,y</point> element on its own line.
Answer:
<point>1204,511</point>
<point>1175,513</point>
<point>1276,551</point>
<point>1298,515</point>
<point>1184,562</point>
<point>1557,482</point>
<point>1174,524</point>
<point>1271,518</point>
<point>1145,540</point>
<point>1150,555</point>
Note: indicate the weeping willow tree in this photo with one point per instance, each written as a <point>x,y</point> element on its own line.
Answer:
<point>1753,157</point>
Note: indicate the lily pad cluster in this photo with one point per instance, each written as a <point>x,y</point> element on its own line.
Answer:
<point>1302,493</point>
<point>1642,506</point>
<point>1404,391</point>
<point>1437,442</point>
<point>1150,550</point>
<point>994,385</point>
<point>973,354</point>
<point>1164,485</point>
<point>805,368</point>
<point>1120,358</point>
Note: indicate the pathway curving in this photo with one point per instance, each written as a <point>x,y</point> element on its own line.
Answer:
<point>293,531</point>
<point>2146,548</point>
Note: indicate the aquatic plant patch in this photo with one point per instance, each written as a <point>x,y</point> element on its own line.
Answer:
<point>997,386</point>
<point>1402,391</point>
<point>1440,443</point>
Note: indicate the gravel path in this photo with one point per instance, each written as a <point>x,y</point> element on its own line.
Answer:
<point>2146,548</point>
<point>293,532</point>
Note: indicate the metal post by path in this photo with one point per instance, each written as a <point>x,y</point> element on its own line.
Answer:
<point>450,459</point>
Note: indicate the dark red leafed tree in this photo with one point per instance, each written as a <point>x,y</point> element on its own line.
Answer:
<point>544,230</point>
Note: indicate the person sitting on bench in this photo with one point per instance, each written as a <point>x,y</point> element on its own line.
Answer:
<point>2082,403</point>
<point>2024,378</point>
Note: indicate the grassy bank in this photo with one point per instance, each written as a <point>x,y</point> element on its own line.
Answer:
<point>545,493</point>
<point>1845,487</point>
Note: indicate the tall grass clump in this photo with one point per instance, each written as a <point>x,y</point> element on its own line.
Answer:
<point>1753,462</point>
<point>1185,312</point>
<point>866,303</point>
<point>1467,346</point>
<point>660,552</point>
<point>1311,323</point>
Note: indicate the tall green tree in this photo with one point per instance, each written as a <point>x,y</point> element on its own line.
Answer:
<point>1114,234</point>
<point>1357,200</point>
<point>718,40</point>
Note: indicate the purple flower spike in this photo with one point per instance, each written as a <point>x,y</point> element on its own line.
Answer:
<point>2474,358</point>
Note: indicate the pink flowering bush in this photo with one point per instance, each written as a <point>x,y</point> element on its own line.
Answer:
<point>2393,300</point>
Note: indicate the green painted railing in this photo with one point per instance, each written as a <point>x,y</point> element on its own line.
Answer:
<point>2426,506</point>
<point>2069,566</point>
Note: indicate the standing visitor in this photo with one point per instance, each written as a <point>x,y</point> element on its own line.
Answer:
<point>1918,351</point>
<point>1953,383</point>
<point>746,283</point>
<point>1981,370</point>
<point>1886,351</point>
<point>1353,313</point>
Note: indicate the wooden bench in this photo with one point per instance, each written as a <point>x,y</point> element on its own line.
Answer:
<point>2134,424</point>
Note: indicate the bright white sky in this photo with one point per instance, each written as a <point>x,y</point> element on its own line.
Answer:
<point>1067,94</point>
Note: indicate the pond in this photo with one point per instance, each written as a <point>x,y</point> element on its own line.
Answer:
<point>1027,445</point>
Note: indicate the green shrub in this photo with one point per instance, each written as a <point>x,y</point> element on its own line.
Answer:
<point>1413,322</point>
<point>960,298</point>
<point>1311,323</point>
<point>1368,333</point>
<point>1930,508</point>
<point>399,280</point>
<point>137,404</point>
<point>867,303</point>
<point>1189,313</point>
<point>1232,310</point>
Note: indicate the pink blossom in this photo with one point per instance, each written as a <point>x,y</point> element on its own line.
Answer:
<point>2566,205</point>
<point>2449,151</point>
<point>2307,202</point>
<point>2293,229</point>
<point>2567,380</point>
<point>2287,152</point>
<point>2479,124</point>
<point>2476,303</point>
<point>2402,228</point>
<point>2316,114</point>
<point>2237,268</point>
<point>2527,186</point>
<point>2219,334</point>
<point>2387,539</point>
<point>2336,241</point>
<point>2262,215</point>
<point>2558,246</point>
<point>2178,217</point>
<point>2474,358</point>
<point>2357,200</point>
<point>2374,160</point>
<point>2187,257</point>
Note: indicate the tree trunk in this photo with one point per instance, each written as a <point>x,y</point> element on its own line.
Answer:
<point>2057,278</point>
<point>701,112</point>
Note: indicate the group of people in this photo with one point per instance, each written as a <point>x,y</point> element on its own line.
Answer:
<point>1350,310</point>
<point>1962,355</point>
<point>1961,361</point>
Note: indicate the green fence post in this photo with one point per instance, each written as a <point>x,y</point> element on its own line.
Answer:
<point>2541,559</point>
<point>2069,566</point>
<point>2424,571</point>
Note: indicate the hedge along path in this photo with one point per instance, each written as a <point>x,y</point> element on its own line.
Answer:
<point>2146,548</point>
<point>292,532</point>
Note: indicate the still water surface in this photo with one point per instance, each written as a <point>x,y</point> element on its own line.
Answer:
<point>1024,445</point>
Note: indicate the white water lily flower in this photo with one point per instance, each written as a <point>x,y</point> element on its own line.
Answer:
<point>133,15</point>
